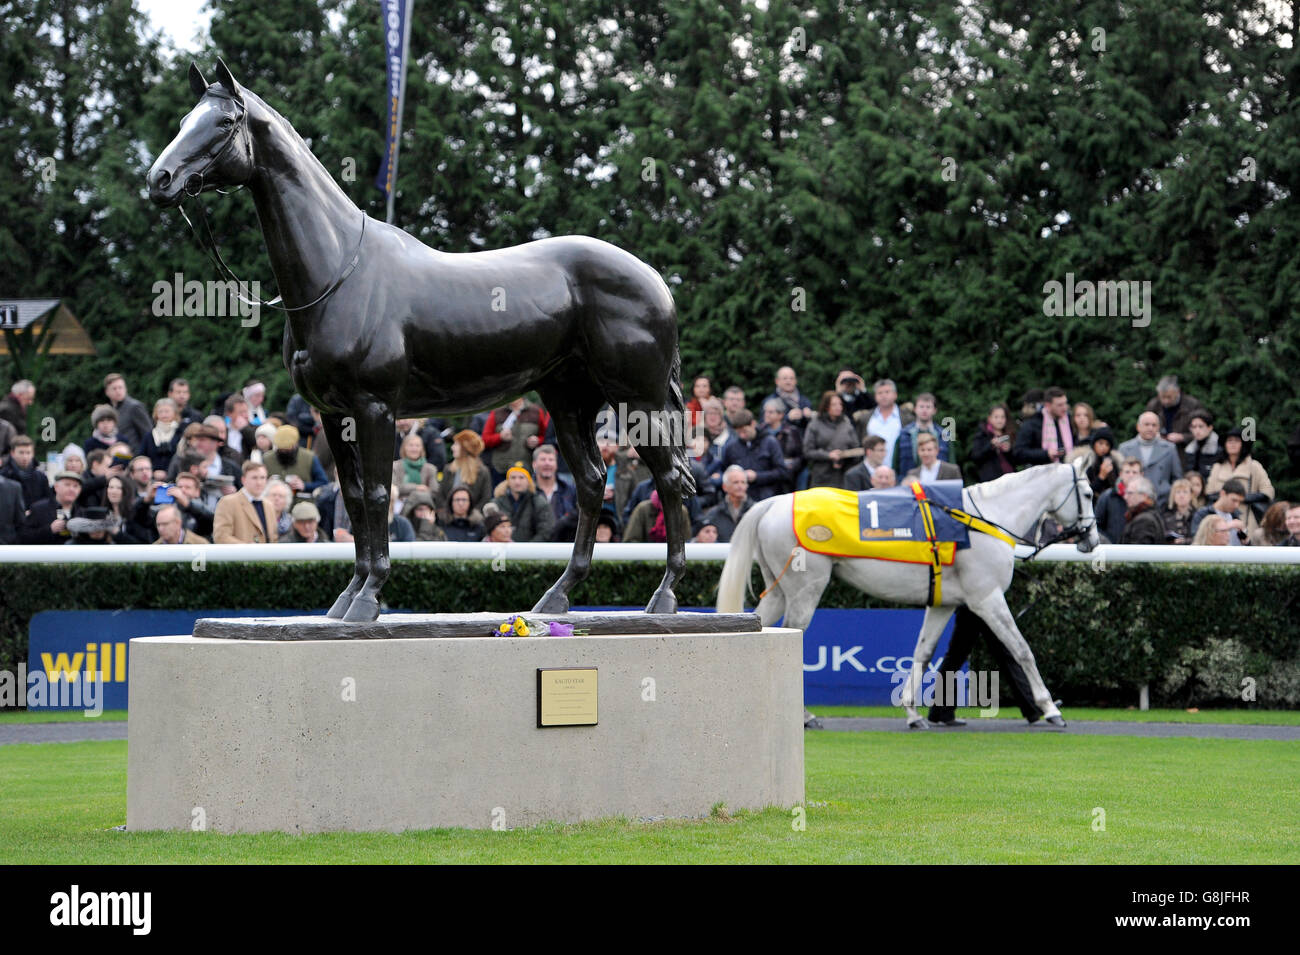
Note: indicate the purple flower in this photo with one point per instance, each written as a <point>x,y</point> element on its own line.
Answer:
<point>561,629</point>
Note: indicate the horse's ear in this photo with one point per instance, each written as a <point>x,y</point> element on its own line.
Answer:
<point>225,78</point>
<point>198,85</point>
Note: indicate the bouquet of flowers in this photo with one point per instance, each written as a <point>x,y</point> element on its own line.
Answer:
<point>517,625</point>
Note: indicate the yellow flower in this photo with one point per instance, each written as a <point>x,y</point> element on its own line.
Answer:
<point>521,626</point>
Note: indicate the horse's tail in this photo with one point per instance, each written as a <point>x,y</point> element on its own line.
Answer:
<point>735,572</point>
<point>677,412</point>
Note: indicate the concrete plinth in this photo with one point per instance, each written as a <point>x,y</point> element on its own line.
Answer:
<point>321,735</point>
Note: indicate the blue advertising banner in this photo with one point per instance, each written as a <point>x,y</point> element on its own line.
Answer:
<point>392,15</point>
<point>849,656</point>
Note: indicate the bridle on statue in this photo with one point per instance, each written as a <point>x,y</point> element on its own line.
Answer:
<point>208,242</point>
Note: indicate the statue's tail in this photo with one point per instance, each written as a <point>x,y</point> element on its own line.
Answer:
<point>676,408</point>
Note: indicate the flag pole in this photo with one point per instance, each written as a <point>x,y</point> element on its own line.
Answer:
<point>401,105</point>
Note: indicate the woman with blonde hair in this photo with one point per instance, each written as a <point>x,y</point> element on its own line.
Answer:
<point>466,470</point>
<point>1177,514</point>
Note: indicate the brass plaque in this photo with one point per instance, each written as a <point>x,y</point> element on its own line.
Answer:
<point>566,696</point>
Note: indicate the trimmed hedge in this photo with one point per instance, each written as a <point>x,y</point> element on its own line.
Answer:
<point>1192,632</point>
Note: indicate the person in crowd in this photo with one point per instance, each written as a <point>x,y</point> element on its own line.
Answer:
<point>1161,462</point>
<point>204,441</point>
<point>608,529</point>
<point>179,391</point>
<point>1111,504</point>
<point>788,437</point>
<point>562,495</point>
<point>103,425</point>
<point>511,433</point>
<point>1226,506</point>
<point>263,443</point>
<point>399,526</point>
<point>139,471</point>
<point>13,512</point>
<point>726,514</point>
<point>888,419</point>
<point>162,440</point>
<point>280,496</point>
<point>305,529</point>
<point>7,435</point>
<point>295,465</point>
<point>1237,463</point>
<point>133,421</point>
<point>991,447</point>
<point>497,529</point>
<point>1292,538</point>
<point>254,395</point>
<point>1173,411</point>
<point>429,431</point>
<point>460,520</point>
<point>830,444</point>
<point>217,424</point>
<point>13,407</point>
<point>94,478</point>
<point>419,510</point>
<point>74,458</point>
<point>1047,437</point>
<point>299,414</point>
<point>1031,404</point>
<point>718,433</point>
<point>707,534</point>
<point>240,430</point>
<point>1142,523</point>
<point>47,519</point>
<point>1202,450</point>
<point>129,514</point>
<point>21,468</point>
<point>701,391</point>
<point>798,409</point>
<point>531,517</point>
<point>1216,531</point>
<point>171,527</point>
<point>1272,529</point>
<point>858,477</point>
<point>855,397</point>
<point>195,509</point>
<point>930,468</point>
<point>1197,482</point>
<point>733,403</point>
<point>467,469</point>
<point>1102,463</point>
<point>883,477</point>
<point>1085,423</point>
<point>246,517</point>
<point>1177,514</point>
<point>760,456</point>
<point>412,471</point>
<point>923,423</point>
<point>647,522</point>
<point>641,493</point>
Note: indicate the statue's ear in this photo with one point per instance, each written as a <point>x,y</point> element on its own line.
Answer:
<point>225,78</point>
<point>198,84</point>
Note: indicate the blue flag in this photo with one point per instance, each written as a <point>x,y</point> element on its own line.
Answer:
<point>393,23</point>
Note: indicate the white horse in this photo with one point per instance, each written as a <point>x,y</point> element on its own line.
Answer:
<point>978,576</point>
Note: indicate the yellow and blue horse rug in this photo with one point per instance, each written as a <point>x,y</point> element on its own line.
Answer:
<point>897,523</point>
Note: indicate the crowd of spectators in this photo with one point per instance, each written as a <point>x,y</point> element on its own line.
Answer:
<point>167,473</point>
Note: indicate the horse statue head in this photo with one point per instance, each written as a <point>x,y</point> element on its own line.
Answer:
<point>213,148</point>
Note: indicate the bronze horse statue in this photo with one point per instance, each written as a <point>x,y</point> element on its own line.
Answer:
<point>379,326</point>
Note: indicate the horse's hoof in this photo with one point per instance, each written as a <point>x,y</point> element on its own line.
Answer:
<point>920,723</point>
<point>664,601</point>
<point>1056,721</point>
<point>363,610</point>
<point>552,602</point>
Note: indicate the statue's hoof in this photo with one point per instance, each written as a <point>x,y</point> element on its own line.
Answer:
<point>340,607</point>
<point>664,601</point>
<point>554,602</point>
<point>363,610</point>
<point>920,723</point>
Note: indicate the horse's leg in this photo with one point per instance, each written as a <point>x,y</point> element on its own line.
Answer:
<point>375,433</point>
<point>803,589</point>
<point>575,432</point>
<point>993,608</point>
<point>668,482</point>
<point>347,458</point>
<point>936,618</point>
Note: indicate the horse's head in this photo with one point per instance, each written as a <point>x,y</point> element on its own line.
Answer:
<point>213,147</point>
<point>1074,513</point>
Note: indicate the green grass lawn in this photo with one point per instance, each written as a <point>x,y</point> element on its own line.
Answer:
<point>871,797</point>
<point>1240,717</point>
<point>58,716</point>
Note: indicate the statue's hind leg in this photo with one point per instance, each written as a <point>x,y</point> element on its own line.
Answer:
<point>575,432</point>
<point>668,482</point>
<point>376,434</point>
<point>347,458</point>
<point>993,608</point>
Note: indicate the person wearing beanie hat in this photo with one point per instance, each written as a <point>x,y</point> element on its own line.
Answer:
<point>529,512</point>
<point>497,528</point>
<point>1102,462</point>
<point>103,422</point>
<point>263,441</point>
<point>74,458</point>
<point>296,466</point>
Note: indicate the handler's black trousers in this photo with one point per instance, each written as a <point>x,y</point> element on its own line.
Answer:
<point>968,628</point>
